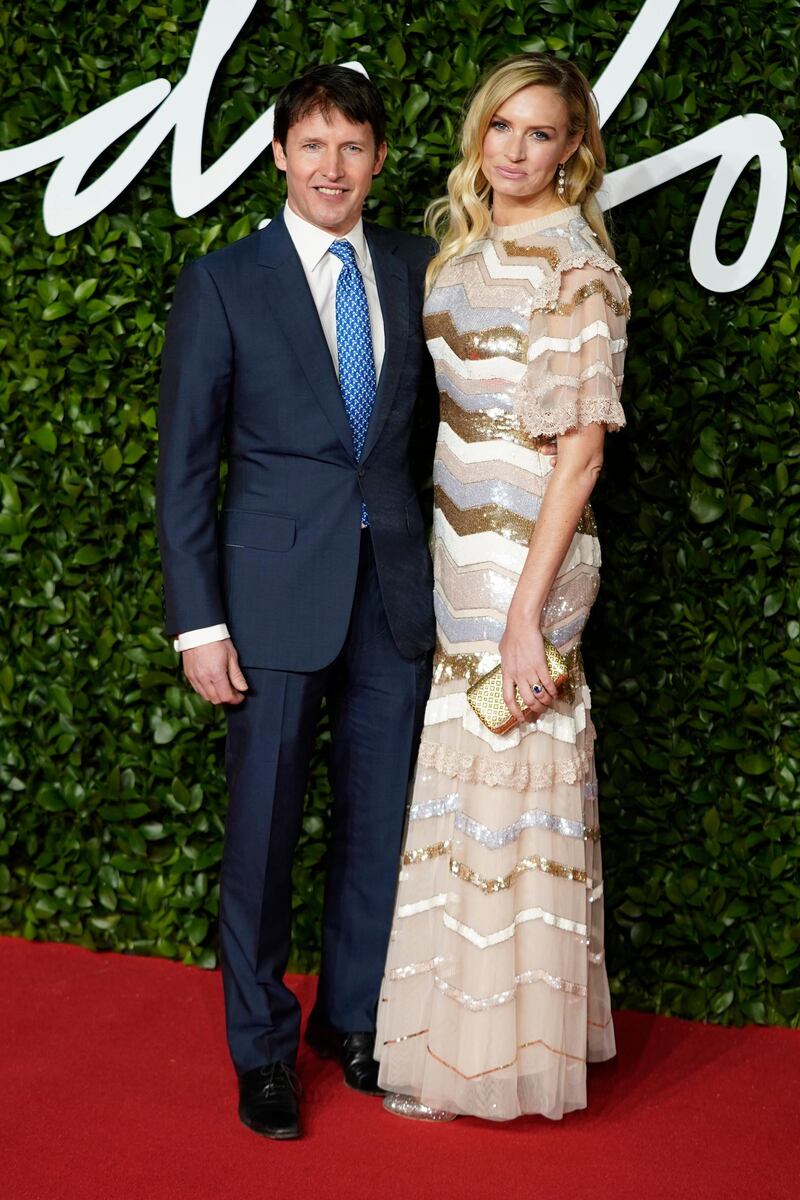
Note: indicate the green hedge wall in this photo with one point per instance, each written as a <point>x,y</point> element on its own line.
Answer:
<point>113,795</point>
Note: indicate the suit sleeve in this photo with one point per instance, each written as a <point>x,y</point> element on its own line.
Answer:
<point>426,411</point>
<point>197,368</point>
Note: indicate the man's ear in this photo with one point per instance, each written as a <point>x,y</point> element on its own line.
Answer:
<point>380,158</point>
<point>279,154</point>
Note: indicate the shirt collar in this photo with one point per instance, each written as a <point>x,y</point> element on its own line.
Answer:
<point>313,243</point>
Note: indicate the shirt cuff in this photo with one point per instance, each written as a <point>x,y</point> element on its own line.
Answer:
<point>200,637</point>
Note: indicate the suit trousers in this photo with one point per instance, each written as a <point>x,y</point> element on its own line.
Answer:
<point>375,700</point>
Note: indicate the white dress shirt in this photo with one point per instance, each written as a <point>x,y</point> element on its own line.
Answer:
<point>321,270</point>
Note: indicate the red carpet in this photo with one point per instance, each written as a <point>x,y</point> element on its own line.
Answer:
<point>115,1085</point>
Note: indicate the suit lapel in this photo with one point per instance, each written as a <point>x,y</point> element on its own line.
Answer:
<point>391,276</point>
<point>293,309</point>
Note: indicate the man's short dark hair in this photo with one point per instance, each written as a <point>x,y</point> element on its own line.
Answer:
<point>321,89</point>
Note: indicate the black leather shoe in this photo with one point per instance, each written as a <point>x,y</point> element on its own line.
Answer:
<point>269,1101</point>
<point>354,1053</point>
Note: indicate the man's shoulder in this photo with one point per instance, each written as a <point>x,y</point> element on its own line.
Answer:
<point>230,257</point>
<point>416,249</point>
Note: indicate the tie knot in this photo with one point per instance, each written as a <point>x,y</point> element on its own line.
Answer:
<point>344,251</point>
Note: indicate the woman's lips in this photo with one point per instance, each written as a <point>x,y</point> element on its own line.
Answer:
<point>510,173</point>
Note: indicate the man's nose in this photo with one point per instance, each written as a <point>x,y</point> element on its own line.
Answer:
<point>332,165</point>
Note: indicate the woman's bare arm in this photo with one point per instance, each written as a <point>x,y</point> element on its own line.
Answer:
<point>580,460</point>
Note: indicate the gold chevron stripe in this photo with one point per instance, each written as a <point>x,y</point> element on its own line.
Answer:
<point>489,886</point>
<point>424,853</point>
<point>467,667</point>
<point>500,341</point>
<point>494,518</point>
<point>487,518</point>
<point>621,307</point>
<point>479,427</point>
<point>504,1066</point>
<point>515,250</point>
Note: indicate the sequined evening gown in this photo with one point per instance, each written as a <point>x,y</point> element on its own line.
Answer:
<point>495,993</point>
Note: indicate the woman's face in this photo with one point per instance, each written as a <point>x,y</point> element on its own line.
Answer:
<point>526,140</point>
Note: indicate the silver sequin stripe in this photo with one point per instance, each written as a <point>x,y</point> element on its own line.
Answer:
<point>495,839</point>
<point>491,403</point>
<point>434,808</point>
<point>535,818</point>
<point>479,1003</point>
<point>576,231</point>
<point>466,629</point>
<point>487,491</point>
<point>417,968</point>
<point>487,629</point>
<point>565,633</point>
<point>455,302</point>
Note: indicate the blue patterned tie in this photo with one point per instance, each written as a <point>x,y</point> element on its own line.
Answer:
<point>354,347</point>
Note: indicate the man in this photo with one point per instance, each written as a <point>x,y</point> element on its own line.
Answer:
<point>300,349</point>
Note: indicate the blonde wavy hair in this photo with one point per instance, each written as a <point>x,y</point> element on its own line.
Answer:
<point>464,214</point>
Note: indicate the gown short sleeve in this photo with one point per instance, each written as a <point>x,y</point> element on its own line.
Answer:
<point>576,355</point>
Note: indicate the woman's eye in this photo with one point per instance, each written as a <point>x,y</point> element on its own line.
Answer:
<point>499,125</point>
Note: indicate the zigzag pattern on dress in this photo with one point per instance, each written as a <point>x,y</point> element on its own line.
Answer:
<point>495,994</point>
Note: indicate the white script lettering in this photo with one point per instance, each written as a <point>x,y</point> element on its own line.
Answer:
<point>182,110</point>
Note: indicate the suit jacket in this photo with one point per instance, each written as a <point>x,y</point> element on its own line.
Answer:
<point>247,375</point>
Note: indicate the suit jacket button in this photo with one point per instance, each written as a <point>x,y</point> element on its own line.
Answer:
<point>361,472</point>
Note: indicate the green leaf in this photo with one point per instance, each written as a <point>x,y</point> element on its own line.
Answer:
<point>710,442</point>
<point>88,556</point>
<point>239,229</point>
<point>706,508</point>
<point>85,289</point>
<point>640,934</point>
<point>711,822</point>
<point>196,930</point>
<point>673,86</point>
<point>45,439</point>
<point>416,102</point>
<point>773,603</point>
<point>395,53</point>
<point>163,731</point>
<point>53,311</point>
<point>112,460</point>
<point>756,763</point>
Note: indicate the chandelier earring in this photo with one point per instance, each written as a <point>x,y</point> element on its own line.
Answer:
<point>562,177</point>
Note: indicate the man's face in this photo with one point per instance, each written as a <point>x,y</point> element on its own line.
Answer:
<point>329,164</point>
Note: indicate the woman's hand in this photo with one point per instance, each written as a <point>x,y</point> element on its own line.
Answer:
<point>525,666</point>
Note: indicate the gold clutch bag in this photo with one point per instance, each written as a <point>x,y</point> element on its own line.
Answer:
<point>486,694</point>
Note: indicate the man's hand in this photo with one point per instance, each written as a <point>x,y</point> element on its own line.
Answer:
<point>214,672</point>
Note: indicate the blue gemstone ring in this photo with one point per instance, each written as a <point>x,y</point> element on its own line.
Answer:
<point>536,688</point>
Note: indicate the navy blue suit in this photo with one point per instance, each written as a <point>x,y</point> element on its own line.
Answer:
<point>317,608</point>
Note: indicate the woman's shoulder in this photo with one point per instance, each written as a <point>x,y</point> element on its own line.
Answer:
<point>585,267</point>
<point>602,277</point>
<point>560,256</point>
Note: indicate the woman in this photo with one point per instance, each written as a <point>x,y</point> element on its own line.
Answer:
<point>495,993</point>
